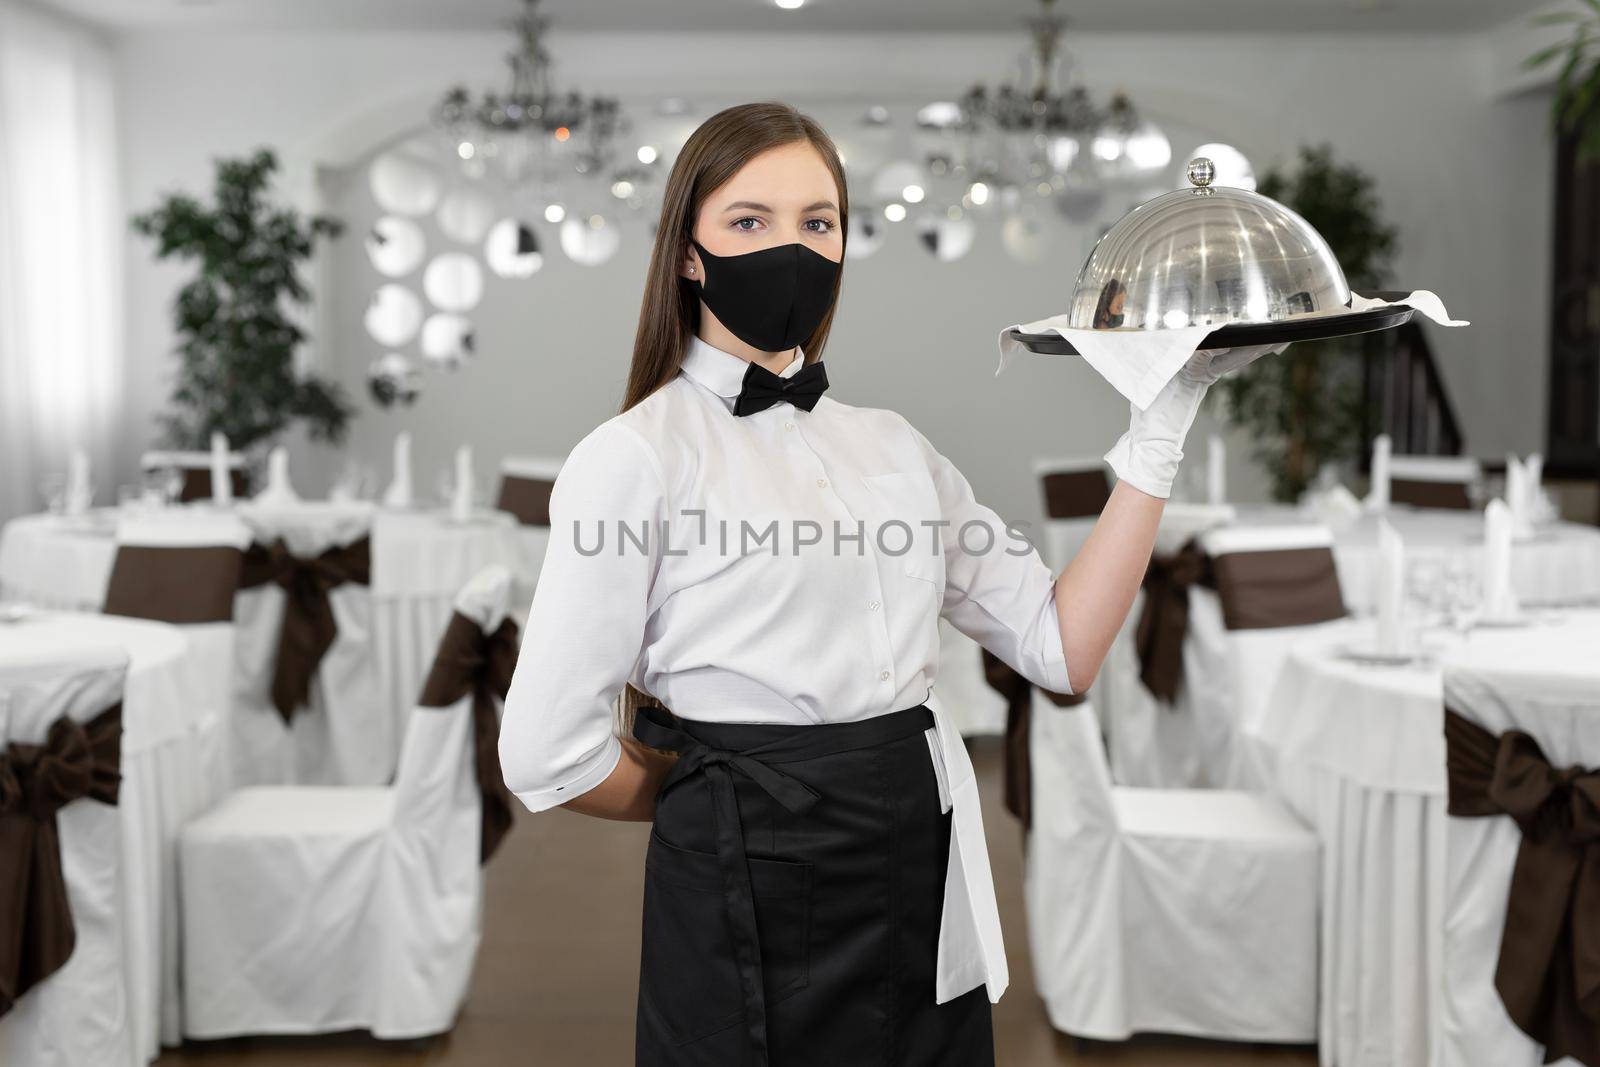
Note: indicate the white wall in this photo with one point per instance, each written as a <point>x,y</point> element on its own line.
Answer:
<point>1463,170</point>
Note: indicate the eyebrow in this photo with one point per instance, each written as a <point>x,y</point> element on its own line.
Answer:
<point>751,205</point>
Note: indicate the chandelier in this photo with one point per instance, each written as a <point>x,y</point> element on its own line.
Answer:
<point>531,133</point>
<point>1043,136</point>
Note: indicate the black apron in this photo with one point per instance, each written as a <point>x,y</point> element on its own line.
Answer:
<point>794,884</point>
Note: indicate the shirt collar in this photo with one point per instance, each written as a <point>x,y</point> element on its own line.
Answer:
<point>723,372</point>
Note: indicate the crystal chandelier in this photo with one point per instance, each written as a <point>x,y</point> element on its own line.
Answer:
<point>532,132</point>
<point>1043,135</point>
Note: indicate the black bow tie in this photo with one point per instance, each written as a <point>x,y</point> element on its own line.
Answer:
<point>762,388</point>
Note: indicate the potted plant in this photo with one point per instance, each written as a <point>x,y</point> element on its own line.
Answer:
<point>1305,410</point>
<point>237,336</point>
<point>1578,80</point>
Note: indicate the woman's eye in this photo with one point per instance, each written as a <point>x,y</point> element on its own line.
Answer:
<point>823,225</point>
<point>740,223</point>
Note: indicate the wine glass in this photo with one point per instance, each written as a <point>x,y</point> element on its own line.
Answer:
<point>53,488</point>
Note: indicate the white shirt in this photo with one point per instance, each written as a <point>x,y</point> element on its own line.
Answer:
<point>761,578</point>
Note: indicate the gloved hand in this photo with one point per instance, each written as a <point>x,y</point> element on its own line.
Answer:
<point>1147,456</point>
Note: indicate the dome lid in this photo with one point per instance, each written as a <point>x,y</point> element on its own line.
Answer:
<point>1207,255</point>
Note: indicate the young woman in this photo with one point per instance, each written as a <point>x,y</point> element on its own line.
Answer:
<point>770,563</point>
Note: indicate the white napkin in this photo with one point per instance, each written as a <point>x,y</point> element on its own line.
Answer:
<point>1540,507</point>
<point>1390,587</point>
<point>79,493</point>
<point>1138,363</point>
<point>1334,506</point>
<point>1499,602</point>
<point>1519,499</point>
<point>278,490</point>
<point>1216,470</point>
<point>1378,493</point>
<point>398,495</point>
<point>221,480</point>
<point>461,493</point>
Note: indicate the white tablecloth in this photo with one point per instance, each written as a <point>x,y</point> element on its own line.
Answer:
<point>419,561</point>
<point>1358,751</point>
<point>1559,565</point>
<point>172,761</point>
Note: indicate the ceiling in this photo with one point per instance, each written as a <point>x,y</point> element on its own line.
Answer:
<point>826,16</point>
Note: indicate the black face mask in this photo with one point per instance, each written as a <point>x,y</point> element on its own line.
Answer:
<point>771,299</point>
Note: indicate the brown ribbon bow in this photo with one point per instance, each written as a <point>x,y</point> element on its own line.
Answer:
<point>1548,974</point>
<point>1017,786</point>
<point>1165,618</point>
<point>36,781</point>
<point>308,629</point>
<point>472,661</point>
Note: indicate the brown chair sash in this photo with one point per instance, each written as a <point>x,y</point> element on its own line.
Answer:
<point>36,781</point>
<point>308,628</point>
<point>471,661</point>
<point>197,483</point>
<point>1016,763</point>
<point>1075,494</point>
<point>1164,620</point>
<point>526,498</point>
<point>1548,973</point>
<point>1427,494</point>
<point>1283,587</point>
<point>174,584</point>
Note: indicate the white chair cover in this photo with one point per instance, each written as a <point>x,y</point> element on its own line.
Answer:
<point>1433,481</point>
<point>79,1014</point>
<point>1184,912</point>
<point>316,909</point>
<point>345,736</point>
<point>1064,535</point>
<point>533,539</point>
<point>1550,693</point>
<point>1196,741</point>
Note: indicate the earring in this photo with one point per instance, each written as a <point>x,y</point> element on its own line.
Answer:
<point>691,270</point>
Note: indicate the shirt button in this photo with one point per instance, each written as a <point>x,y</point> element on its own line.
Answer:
<point>883,675</point>
<point>822,483</point>
<point>872,605</point>
<point>788,426</point>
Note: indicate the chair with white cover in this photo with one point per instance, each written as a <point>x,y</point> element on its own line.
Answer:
<point>309,707</point>
<point>1520,970</point>
<point>63,996</point>
<point>196,470</point>
<point>525,484</point>
<point>1075,490</point>
<point>320,909</point>
<point>1433,481</point>
<point>1164,911</point>
<point>180,567</point>
<point>1198,656</point>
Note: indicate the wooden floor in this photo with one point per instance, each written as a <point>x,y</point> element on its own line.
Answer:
<point>567,888</point>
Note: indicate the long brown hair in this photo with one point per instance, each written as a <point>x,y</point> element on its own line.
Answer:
<point>670,313</point>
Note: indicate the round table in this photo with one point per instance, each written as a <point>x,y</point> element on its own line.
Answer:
<point>172,769</point>
<point>1357,749</point>
<point>420,559</point>
<point>1558,565</point>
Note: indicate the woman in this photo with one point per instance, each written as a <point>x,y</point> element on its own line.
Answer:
<point>771,564</point>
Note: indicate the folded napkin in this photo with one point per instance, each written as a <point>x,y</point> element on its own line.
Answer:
<point>80,494</point>
<point>1378,489</point>
<point>1519,501</point>
<point>1390,586</point>
<point>1499,602</point>
<point>1138,363</point>
<point>461,492</point>
<point>1334,506</point>
<point>399,495</point>
<point>1216,470</point>
<point>278,490</point>
<point>1540,507</point>
<point>221,474</point>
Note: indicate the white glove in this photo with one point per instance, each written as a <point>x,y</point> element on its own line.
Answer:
<point>1147,456</point>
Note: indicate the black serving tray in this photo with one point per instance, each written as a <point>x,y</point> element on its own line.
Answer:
<point>1317,328</point>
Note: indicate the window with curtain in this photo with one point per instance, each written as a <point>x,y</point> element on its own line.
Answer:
<point>61,248</point>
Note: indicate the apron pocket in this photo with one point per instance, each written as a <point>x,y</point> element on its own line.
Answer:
<point>687,969</point>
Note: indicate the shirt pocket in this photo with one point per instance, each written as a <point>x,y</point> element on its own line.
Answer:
<point>908,497</point>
